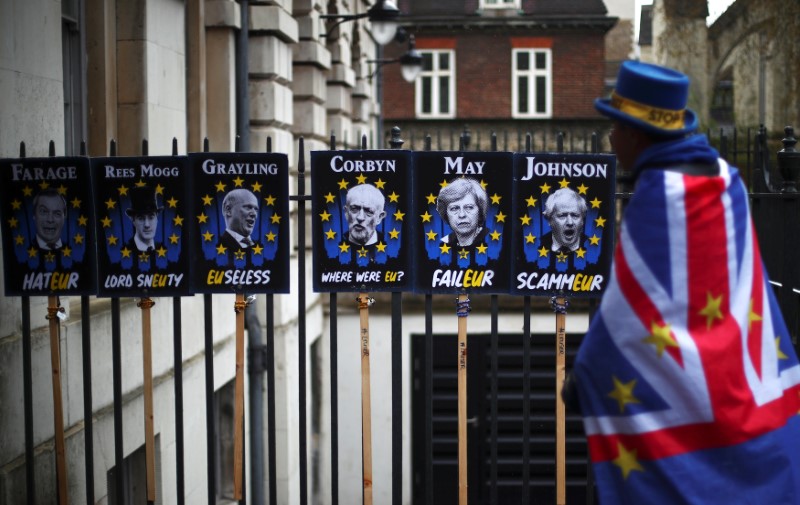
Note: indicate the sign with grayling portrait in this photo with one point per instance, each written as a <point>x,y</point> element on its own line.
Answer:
<point>463,217</point>
<point>47,224</point>
<point>143,225</point>
<point>564,223</point>
<point>361,220</point>
<point>241,218</point>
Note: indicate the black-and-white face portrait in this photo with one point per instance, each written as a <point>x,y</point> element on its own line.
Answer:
<point>363,211</point>
<point>49,214</point>
<point>143,214</point>
<point>565,210</point>
<point>462,205</point>
<point>240,209</point>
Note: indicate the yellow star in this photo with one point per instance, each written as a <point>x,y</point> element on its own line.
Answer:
<point>325,216</point>
<point>444,248</point>
<point>661,337</point>
<point>140,184</point>
<point>431,199</point>
<point>495,199</point>
<point>238,182</point>
<point>594,240</point>
<point>19,240</point>
<point>330,234</point>
<point>342,184</point>
<point>526,219</point>
<point>257,187</point>
<point>275,219</point>
<point>344,247</point>
<point>221,249</point>
<point>329,198</point>
<point>202,218</point>
<point>623,393</point>
<point>16,204</point>
<point>172,203</point>
<point>380,184</point>
<point>177,221</point>
<point>270,237</point>
<point>220,188</point>
<point>463,254</point>
<point>207,199</point>
<point>112,240</point>
<point>394,233</point>
<point>240,254</point>
<point>13,222</point>
<point>495,235</point>
<point>67,252</point>
<point>581,252</point>
<point>50,257</point>
<point>173,239</point>
<point>208,236</point>
<point>361,179</point>
<point>144,257</point>
<point>543,252</point>
<point>394,197</point>
<point>78,238</point>
<point>76,203</point>
<point>484,184</point>
<point>500,217</point>
<point>162,253</point>
<point>106,222</point>
<point>595,203</point>
<point>126,253</point>
<point>582,189</point>
<point>711,310</point>
<point>627,461</point>
<point>481,249</point>
<point>563,183</point>
<point>159,189</point>
<point>600,221</point>
<point>44,185</point>
<point>110,203</point>
<point>545,188</point>
<point>362,253</point>
<point>27,191</point>
<point>431,235</point>
<point>123,190</point>
<point>381,247</point>
<point>531,201</point>
<point>399,215</point>
<point>257,249</point>
<point>752,316</point>
<point>270,200</point>
<point>32,252</point>
<point>426,218</point>
<point>530,238</point>
<point>781,354</point>
<point>443,184</point>
<point>82,220</point>
<point>561,257</point>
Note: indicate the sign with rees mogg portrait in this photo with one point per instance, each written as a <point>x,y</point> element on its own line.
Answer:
<point>241,217</point>
<point>361,219</point>
<point>463,214</point>
<point>47,224</point>
<point>143,225</point>
<point>564,221</point>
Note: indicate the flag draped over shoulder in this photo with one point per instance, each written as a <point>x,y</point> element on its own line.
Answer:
<point>687,379</point>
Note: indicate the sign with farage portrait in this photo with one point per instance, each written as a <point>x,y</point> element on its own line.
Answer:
<point>564,223</point>
<point>143,225</point>
<point>47,226</point>
<point>241,216</point>
<point>463,215</point>
<point>361,215</point>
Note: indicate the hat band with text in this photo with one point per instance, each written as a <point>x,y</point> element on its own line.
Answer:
<point>666,119</point>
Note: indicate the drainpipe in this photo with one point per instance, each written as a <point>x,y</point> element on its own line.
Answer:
<point>242,100</point>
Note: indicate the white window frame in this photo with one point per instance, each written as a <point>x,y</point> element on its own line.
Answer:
<point>532,74</point>
<point>435,75</point>
<point>499,4</point>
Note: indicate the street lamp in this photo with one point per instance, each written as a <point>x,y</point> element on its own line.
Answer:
<point>382,17</point>
<point>410,62</point>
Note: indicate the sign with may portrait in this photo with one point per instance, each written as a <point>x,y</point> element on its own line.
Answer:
<point>241,217</point>
<point>463,215</point>
<point>143,225</point>
<point>564,221</point>
<point>361,215</point>
<point>47,225</point>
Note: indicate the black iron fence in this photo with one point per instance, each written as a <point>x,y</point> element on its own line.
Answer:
<point>513,458</point>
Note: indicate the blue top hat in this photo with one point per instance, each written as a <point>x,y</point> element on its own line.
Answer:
<point>651,98</point>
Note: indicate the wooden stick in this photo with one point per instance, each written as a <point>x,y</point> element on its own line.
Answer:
<point>149,432</point>
<point>462,312</point>
<point>53,311</point>
<point>364,302</point>
<point>238,408</point>
<point>561,374</point>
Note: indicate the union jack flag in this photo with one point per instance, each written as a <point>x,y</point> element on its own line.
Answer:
<point>688,381</point>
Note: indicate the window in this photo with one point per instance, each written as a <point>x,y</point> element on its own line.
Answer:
<point>435,87</point>
<point>499,4</point>
<point>134,477</point>
<point>72,67</point>
<point>532,83</point>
